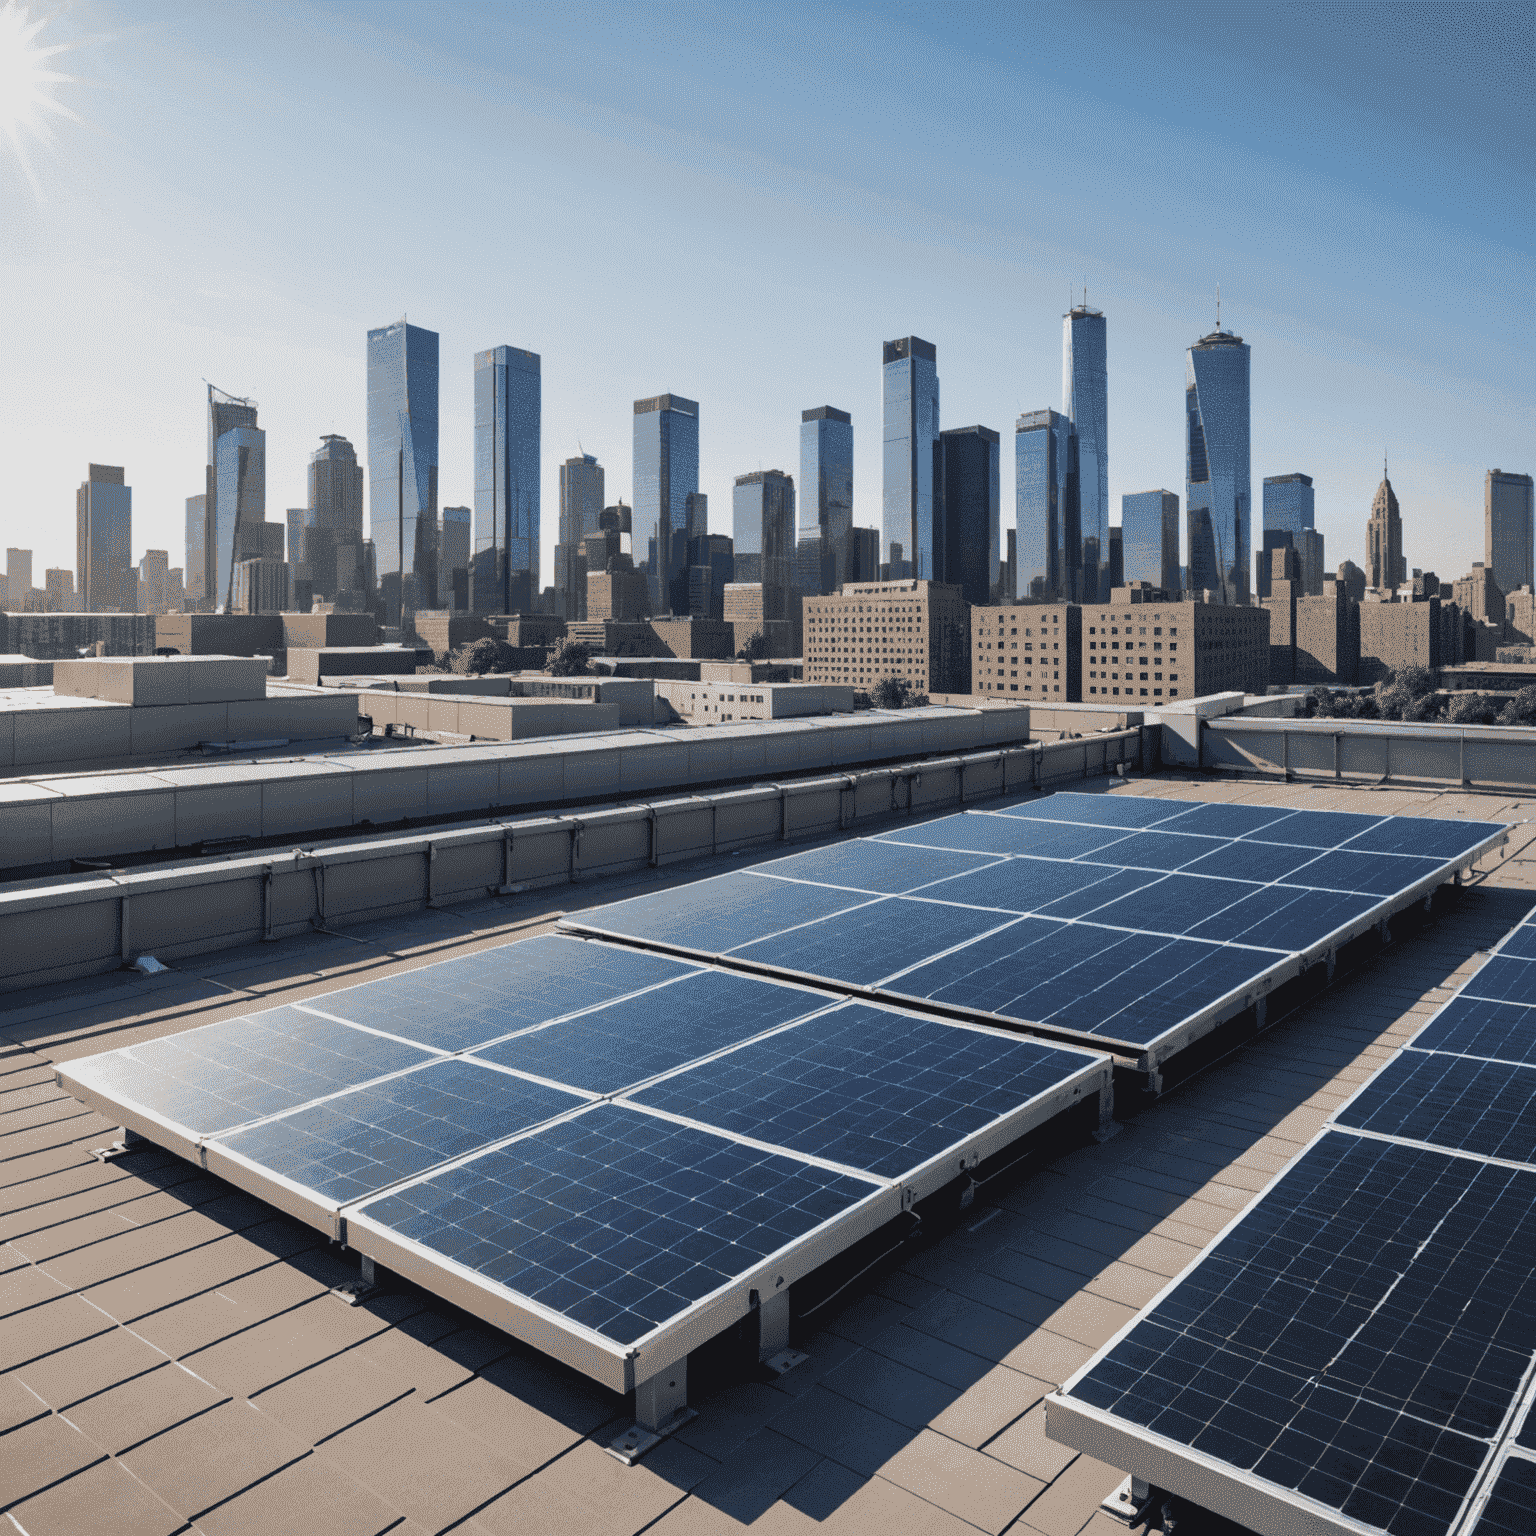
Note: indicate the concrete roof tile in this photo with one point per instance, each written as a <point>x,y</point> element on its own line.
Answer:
<point>40,1454</point>
<point>142,1407</point>
<point>308,1495</point>
<point>967,1483</point>
<point>105,1497</point>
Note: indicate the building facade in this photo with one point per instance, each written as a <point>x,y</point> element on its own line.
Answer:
<point>666,474</point>
<point>1085,402</point>
<point>508,423</point>
<point>1149,539</point>
<point>1508,529</point>
<point>261,586</point>
<point>457,555</point>
<point>1327,637</point>
<point>1386,569</point>
<point>972,505</point>
<point>911,494</point>
<point>402,467</point>
<point>335,515</point>
<point>195,559</point>
<point>581,512</point>
<point>236,490</point>
<point>826,499</point>
<point>1028,651</point>
<point>1218,490</point>
<point>103,540</point>
<point>1048,551</point>
<point>1138,647</point>
<point>917,630</point>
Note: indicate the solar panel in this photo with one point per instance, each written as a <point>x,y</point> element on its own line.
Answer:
<point>462,1002</point>
<point>865,865</point>
<point>1099,810</point>
<point>1505,980</point>
<point>1513,1497</point>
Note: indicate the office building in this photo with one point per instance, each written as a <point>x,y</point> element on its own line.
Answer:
<point>335,516</point>
<point>1289,503</point>
<point>1398,635</point>
<point>1049,555</point>
<point>235,491</point>
<point>972,506</point>
<point>103,539</point>
<point>863,556</point>
<point>59,590</point>
<point>911,493</point>
<point>1327,636</point>
<point>504,577</point>
<point>1508,529</point>
<point>581,512</point>
<point>195,560</point>
<point>1288,524</point>
<point>1386,569</point>
<point>453,569</point>
<point>1142,646</point>
<point>402,466</point>
<point>1218,489</point>
<point>763,526</point>
<point>826,499</point>
<point>18,578</point>
<point>1149,539</point>
<point>154,582</point>
<point>1479,595</point>
<point>1085,402</point>
<point>1309,550</point>
<point>1116,573</point>
<point>916,630</point>
<point>1028,651</point>
<point>711,568</point>
<point>260,586</point>
<point>666,474</point>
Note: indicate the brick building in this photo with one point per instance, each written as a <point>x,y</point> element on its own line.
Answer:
<point>1397,635</point>
<point>1139,645</point>
<point>1327,637</point>
<point>1031,650</point>
<point>917,630</point>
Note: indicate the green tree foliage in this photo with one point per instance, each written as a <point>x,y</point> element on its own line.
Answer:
<point>481,656</point>
<point>755,648</point>
<point>570,658</point>
<point>891,693</point>
<point>1521,710</point>
<point>1473,709</point>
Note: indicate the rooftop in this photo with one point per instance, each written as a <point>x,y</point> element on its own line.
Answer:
<point>173,1358</point>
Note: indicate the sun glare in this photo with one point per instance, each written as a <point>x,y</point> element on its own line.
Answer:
<point>28,83</point>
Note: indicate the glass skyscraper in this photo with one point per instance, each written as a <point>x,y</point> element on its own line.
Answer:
<point>1045,507</point>
<point>508,416</point>
<point>826,499</point>
<point>911,495</point>
<point>763,527</point>
<point>1507,530</point>
<point>972,508</point>
<point>1218,492</point>
<point>1149,538</point>
<point>335,509</point>
<point>196,582</point>
<point>236,490</point>
<point>666,474</point>
<point>103,541</point>
<point>1085,401</point>
<point>402,466</point>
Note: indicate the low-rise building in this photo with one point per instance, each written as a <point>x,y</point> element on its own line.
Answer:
<point>1141,646</point>
<point>916,630</point>
<point>1029,651</point>
<point>705,703</point>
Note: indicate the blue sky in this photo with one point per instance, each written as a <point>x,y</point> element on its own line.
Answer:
<point>740,204</point>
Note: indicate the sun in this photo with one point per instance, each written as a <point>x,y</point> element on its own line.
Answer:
<point>27,83</point>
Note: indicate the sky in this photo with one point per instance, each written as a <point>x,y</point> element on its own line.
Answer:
<point>739,204</point>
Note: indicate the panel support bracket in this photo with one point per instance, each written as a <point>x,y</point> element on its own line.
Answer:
<point>128,1142</point>
<point>661,1409</point>
<point>364,1288</point>
<point>1108,1125</point>
<point>1127,1501</point>
<point>773,1335</point>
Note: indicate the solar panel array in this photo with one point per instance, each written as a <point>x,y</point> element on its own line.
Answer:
<point>1128,921</point>
<point>589,1141</point>
<point>1360,1344</point>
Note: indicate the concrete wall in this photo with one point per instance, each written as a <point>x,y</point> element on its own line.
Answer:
<point>309,666</point>
<point>488,719</point>
<point>86,924</point>
<point>709,703</point>
<point>162,680</point>
<point>50,819</point>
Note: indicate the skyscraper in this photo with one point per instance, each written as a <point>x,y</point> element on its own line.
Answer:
<point>1149,535</point>
<point>763,527</point>
<point>1045,494</point>
<point>335,514</point>
<point>103,539</point>
<point>196,559</point>
<point>666,474</point>
<point>911,495</point>
<point>1218,492</point>
<point>1288,522</point>
<point>402,466</point>
<point>1507,529</point>
<point>1085,401</point>
<point>972,505</point>
<point>826,499</point>
<point>508,417</point>
<point>1385,567</point>
<point>453,568</point>
<point>236,490</point>
<point>581,498</point>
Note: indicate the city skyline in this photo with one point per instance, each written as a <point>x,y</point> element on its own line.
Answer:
<point>1347,353</point>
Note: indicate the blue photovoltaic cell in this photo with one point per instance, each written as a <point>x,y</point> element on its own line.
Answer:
<point>885,869</point>
<point>867,1087</point>
<point>225,1074</point>
<point>1105,982</point>
<point>1041,885</point>
<point>1356,1337</point>
<point>1476,1026</point>
<point>1521,944</point>
<point>978,832</point>
<point>867,945</point>
<point>1510,981</point>
<point>459,1003</point>
<point>1284,917</point>
<point>1213,819</point>
<point>1509,1506</point>
<point>1376,874</point>
<point>1101,810</point>
<point>1487,1107</point>
<point>1174,904</point>
<point>615,1219</point>
<point>1319,829</point>
<point>1154,850</point>
<point>362,1141</point>
<point>639,1037</point>
<point>1425,836</point>
<point>1262,862</point>
<point>713,915</point>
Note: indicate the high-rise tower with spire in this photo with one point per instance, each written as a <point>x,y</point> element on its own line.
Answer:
<point>1384,564</point>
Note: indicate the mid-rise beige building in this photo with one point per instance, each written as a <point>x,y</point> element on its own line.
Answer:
<point>916,630</point>
<point>1140,646</point>
<point>1028,651</point>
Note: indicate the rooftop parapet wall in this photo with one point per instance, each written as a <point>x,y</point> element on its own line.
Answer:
<point>162,680</point>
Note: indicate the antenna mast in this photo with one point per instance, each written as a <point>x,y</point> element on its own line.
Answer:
<point>1218,309</point>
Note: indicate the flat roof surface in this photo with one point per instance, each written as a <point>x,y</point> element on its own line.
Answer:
<point>172,1359</point>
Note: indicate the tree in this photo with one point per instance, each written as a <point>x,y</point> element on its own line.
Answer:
<point>1472,709</point>
<point>570,658</point>
<point>481,656</point>
<point>755,648</point>
<point>1408,694</point>
<point>891,693</point>
<point>1521,710</point>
